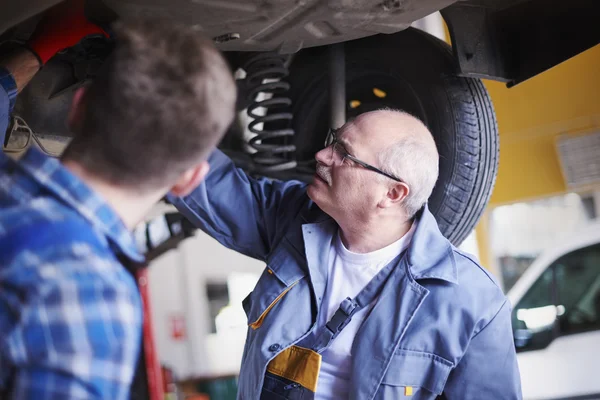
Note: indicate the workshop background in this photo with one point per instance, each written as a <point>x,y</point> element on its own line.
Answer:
<point>546,199</point>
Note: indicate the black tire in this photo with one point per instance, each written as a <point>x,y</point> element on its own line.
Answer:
<point>416,70</point>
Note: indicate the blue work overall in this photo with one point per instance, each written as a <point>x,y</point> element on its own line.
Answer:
<point>293,374</point>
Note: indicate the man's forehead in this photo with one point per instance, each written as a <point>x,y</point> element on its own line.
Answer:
<point>383,126</point>
<point>364,127</point>
<point>357,138</point>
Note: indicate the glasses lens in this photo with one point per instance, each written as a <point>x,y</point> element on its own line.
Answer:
<point>338,155</point>
<point>329,138</point>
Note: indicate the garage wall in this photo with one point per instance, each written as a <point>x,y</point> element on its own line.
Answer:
<point>565,99</point>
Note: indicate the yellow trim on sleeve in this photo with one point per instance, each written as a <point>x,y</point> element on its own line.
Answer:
<point>257,324</point>
<point>299,365</point>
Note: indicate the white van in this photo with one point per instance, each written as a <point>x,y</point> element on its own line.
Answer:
<point>556,320</point>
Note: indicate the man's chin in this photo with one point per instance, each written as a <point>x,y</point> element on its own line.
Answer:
<point>313,191</point>
<point>320,198</point>
<point>310,190</point>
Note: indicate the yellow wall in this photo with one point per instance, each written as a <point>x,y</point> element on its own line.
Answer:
<point>565,99</point>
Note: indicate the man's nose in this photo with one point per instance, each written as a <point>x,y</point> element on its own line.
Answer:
<point>324,156</point>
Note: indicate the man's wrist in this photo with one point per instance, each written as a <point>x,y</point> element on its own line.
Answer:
<point>21,65</point>
<point>37,57</point>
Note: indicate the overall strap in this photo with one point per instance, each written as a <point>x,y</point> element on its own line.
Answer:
<point>348,307</point>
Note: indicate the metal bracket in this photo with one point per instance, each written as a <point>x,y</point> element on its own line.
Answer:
<point>515,43</point>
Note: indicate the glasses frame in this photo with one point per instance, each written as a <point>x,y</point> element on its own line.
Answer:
<point>331,141</point>
<point>18,124</point>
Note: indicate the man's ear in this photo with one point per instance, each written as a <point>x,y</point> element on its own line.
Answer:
<point>77,110</point>
<point>396,194</point>
<point>190,179</point>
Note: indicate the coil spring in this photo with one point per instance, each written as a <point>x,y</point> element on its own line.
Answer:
<point>264,74</point>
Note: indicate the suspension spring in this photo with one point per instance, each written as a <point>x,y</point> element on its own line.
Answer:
<point>273,146</point>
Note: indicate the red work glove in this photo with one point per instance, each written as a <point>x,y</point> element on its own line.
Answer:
<point>62,26</point>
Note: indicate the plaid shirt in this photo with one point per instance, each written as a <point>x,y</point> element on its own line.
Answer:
<point>7,82</point>
<point>70,313</point>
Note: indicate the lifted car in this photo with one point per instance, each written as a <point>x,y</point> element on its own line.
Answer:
<point>307,65</point>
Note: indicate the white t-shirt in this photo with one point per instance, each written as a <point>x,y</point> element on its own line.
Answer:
<point>349,273</point>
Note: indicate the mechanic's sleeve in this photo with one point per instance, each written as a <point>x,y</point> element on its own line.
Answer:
<point>489,369</point>
<point>8,96</point>
<point>76,338</point>
<point>242,213</point>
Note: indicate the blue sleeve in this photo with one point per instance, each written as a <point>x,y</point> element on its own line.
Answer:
<point>78,337</point>
<point>8,96</point>
<point>242,213</point>
<point>489,369</point>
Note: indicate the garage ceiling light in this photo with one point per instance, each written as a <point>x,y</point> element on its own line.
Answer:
<point>579,157</point>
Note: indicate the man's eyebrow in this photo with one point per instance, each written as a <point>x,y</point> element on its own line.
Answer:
<point>347,146</point>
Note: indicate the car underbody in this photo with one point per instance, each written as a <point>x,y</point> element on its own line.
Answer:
<point>507,40</point>
<point>307,65</point>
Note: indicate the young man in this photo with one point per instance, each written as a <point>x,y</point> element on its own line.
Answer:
<point>70,311</point>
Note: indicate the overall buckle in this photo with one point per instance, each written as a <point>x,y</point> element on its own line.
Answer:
<point>342,316</point>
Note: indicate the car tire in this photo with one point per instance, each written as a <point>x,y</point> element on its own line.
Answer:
<point>416,73</point>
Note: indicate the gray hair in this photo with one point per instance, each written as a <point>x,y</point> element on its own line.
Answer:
<point>415,161</point>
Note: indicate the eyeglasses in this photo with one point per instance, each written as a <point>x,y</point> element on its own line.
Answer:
<point>17,137</point>
<point>339,149</point>
<point>19,134</point>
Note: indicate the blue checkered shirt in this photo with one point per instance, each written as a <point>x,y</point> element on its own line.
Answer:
<point>70,313</point>
<point>8,83</point>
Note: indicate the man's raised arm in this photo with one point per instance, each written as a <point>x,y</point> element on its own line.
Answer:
<point>242,213</point>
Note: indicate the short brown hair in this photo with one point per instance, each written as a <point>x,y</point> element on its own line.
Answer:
<point>160,105</point>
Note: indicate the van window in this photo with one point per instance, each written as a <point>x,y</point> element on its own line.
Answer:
<point>564,300</point>
<point>533,317</point>
<point>578,284</point>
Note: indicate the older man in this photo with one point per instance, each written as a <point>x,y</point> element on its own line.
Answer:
<point>362,297</point>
